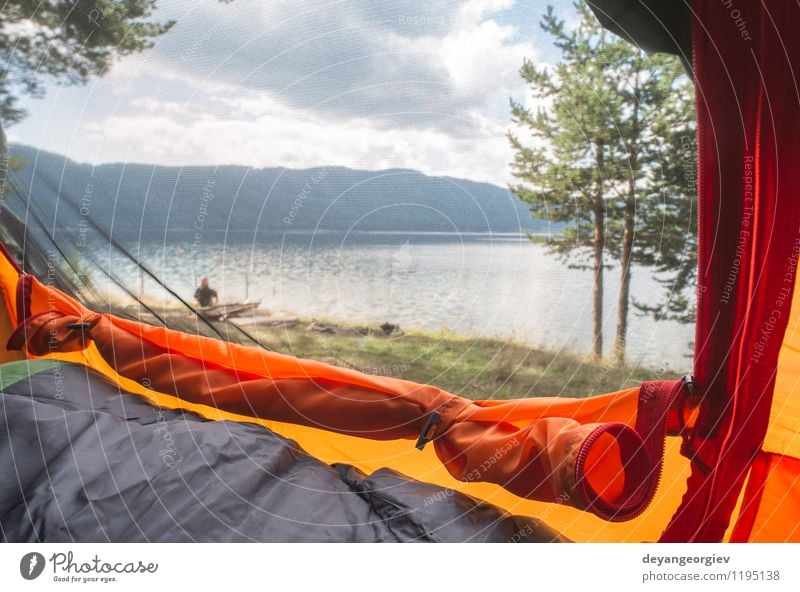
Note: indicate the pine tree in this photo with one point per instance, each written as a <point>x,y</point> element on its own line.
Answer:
<point>596,162</point>
<point>667,229</point>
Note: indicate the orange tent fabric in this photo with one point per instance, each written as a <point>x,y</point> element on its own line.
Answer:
<point>537,448</point>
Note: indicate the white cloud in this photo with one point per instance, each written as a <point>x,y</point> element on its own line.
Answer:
<point>479,57</point>
<point>258,131</point>
<point>363,84</point>
<point>474,11</point>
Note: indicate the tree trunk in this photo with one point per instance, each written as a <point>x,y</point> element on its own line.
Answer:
<point>599,245</point>
<point>623,302</point>
<point>625,280</point>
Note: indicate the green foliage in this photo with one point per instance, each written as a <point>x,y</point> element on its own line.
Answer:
<point>667,227</point>
<point>638,109</point>
<point>70,40</point>
<point>575,117</point>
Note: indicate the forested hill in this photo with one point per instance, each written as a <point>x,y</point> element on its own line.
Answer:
<point>129,198</point>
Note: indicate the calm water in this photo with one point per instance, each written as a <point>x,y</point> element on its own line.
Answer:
<point>483,286</point>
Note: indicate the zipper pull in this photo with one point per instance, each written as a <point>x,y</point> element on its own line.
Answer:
<point>690,401</point>
<point>428,430</point>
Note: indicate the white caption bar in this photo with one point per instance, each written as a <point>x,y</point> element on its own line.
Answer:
<point>409,568</point>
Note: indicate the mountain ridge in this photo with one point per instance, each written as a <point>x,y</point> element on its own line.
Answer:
<point>129,199</point>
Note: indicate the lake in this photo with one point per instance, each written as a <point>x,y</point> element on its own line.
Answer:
<point>480,285</point>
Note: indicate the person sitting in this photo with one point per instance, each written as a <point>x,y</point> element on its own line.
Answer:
<point>205,295</point>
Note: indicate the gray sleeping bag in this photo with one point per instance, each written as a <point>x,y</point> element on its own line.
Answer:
<point>82,461</point>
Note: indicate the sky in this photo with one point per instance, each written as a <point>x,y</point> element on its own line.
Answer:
<point>366,84</point>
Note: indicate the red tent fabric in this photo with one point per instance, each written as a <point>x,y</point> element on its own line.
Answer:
<point>746,58</point>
